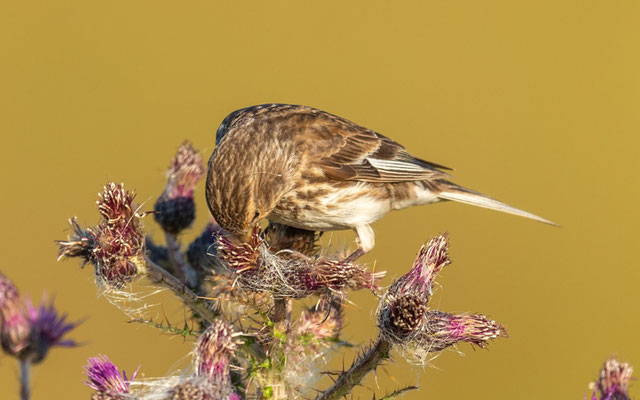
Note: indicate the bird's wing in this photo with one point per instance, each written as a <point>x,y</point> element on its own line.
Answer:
<point>365,155</point>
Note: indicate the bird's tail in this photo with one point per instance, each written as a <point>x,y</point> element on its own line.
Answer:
<point>453,192</point>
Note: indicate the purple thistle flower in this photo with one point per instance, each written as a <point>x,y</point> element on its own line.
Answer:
<point>104,377</point>
<point>48,329</point>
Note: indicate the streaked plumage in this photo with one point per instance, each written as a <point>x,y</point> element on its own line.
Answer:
<point>309,169</point>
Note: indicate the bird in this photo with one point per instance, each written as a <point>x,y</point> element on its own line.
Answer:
<point>306,168</point>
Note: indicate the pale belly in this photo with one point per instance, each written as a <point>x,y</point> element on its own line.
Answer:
<point>344,208</point>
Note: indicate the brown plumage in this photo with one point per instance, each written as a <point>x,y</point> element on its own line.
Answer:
<point>306,168</point>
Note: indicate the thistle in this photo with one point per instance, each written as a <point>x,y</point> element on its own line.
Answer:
<point>14,327</point>
<point>48,329</point>
<point>175,209</point>
<point>289,274</point>
<point>115,247</point>
<point>613,382</point>
<point>405,320</point>
<point>210,380</point>
<point>105,378</point>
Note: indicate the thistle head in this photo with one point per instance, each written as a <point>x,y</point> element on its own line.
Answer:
<point>14,327</point>
<point>406,321</point>
<point>214,352</point>
<point>105,378</point>
<point>175,209</point>
<point>185,171</point>
<point>48,328</point>
<point>431,258</point>
<point>115,246</point>
<point>613,382</point>
<point>443,330</point>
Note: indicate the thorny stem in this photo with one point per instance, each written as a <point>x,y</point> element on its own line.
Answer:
<point>162,276</point>
<point>181,265</point>
<point>25,375</point>
<point>359,369</point>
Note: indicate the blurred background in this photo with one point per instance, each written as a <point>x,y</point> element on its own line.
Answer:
<point>533,102</point>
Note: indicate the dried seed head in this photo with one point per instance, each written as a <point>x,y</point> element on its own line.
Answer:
<point>288,273</point>
<point>116,246</point>
<point>614,380</point>
<point>443,330</point>
<point>48,329</point>
<point>407,313</point>
<point>104,377</point>
<point>14,327</point>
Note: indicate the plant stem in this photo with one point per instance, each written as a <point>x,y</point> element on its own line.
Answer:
<point>25,377</point>
<point>159,275</point>
<point>359,369</point>
<point>177,258</point>
<point>282,314</point>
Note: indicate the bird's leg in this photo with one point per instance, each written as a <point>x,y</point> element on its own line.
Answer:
<point>365,239</point>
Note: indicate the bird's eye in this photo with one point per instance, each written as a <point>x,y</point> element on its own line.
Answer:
<point>256,215</point>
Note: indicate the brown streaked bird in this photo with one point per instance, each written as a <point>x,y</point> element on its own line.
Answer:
<point>306,168</point>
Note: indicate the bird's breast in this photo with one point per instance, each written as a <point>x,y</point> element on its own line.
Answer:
<point>332,206</point>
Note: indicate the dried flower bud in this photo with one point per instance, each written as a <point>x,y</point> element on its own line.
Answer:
<point>614,380</point>
<point>116,246</point>
<point>291,274</point>
<point>14,329</point>
<point>48,329</point>
<point>443,330</point>
<point>104,377</point>
<point>430,260</point>
<point>175,209</point>
<point>214,351</point>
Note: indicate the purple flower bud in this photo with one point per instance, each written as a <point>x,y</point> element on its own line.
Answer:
<point>104,377</point>
<point>48,329</point>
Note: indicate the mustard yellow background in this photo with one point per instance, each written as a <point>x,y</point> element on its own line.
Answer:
<point>533,102</point>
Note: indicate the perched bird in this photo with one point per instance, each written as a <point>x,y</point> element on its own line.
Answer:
<point>306,168</point>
